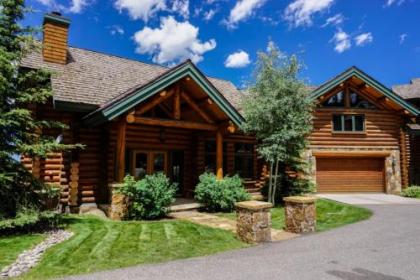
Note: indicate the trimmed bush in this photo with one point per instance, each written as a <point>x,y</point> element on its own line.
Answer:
<point>150,197</point>
<point>413,191</point>
<point>220,195</point>
<point>30,221</point>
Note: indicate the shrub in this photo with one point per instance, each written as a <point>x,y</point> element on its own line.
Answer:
<point>220,195</point>
<point>149,198</point>
<point>49,196</point>
<point>30,221</point>
<point>413,191</point>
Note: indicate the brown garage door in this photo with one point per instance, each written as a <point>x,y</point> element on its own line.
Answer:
<point>350,174</point>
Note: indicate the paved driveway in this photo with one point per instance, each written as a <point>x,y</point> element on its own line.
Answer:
<point>370,198</point>
<point>385,247</point>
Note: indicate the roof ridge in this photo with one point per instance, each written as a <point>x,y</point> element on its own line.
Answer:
<point>146,63</point>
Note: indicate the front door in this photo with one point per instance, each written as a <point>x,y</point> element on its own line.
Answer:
<point>149,162</point>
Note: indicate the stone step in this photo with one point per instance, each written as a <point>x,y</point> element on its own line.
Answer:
<point>257,196</point>
<point>185,207</point>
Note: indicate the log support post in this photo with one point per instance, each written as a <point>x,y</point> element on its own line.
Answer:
<point>219,154</point>
<point>120,154</point>
<point>177,103</point>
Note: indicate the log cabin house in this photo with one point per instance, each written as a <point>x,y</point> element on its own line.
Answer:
<point>137,118</point>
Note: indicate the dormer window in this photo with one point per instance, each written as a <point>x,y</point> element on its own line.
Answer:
<point>348,123</point>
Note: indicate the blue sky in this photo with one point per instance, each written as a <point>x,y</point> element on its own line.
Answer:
<point>382,37</point>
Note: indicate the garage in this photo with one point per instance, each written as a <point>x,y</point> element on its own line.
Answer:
<point>350,174</point>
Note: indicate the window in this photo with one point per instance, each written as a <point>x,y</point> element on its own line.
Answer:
<point>336,100</point>
<point>351,123</point>
<point>210,157</point>
<point>244,160</point>
<point>356,101</point>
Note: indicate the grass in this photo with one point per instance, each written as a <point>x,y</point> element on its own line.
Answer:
<point>330,214</point>
<point>102,244</point>
<point>12,246</point>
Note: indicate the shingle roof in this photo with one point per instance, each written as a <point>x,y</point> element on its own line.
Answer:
<point>408,91</point>
<point>95,78</point>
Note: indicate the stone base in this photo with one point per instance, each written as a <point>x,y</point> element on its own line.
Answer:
<point>86,207</point>
<point>253,221</point>
<point>119,204</point>
<point>300,214</point>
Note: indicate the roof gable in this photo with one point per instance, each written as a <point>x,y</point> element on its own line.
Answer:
<point>133,97</point>
<point>355,72</point>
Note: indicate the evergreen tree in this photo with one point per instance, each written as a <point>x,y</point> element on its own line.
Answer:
<point>20,91</point>
<point>278,110</point>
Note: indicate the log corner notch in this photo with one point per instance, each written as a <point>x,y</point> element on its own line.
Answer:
<point>120,151</point>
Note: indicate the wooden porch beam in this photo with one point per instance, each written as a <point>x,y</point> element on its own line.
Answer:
<point>175,123</point>
<point>219,154</point>
<point>159,99</point>
<point>177,104</point>
<point>120,156</point>
<point>196,108</point>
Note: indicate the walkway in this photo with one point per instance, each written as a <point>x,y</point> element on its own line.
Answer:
<point>224,223</point>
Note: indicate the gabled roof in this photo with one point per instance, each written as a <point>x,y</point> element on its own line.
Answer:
<point>128,100</point>
<point>356,72</point>
<point>409,91</point>
<point>91,79</point>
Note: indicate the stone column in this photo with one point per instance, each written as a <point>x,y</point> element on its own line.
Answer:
<point>300,214</point>
<point>119,203</point>
<point>253,221</point>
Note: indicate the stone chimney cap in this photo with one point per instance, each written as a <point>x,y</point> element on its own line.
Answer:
<point>56,17</point>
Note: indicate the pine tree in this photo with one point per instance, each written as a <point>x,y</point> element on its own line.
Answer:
<point>278,110</point>
<point>20,90</point>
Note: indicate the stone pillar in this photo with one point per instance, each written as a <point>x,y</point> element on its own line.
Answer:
<point>300,214</point>
<point>253,221</point>
<point>119,203</point>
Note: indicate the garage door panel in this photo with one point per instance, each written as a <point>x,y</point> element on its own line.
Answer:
<point>350,175</point>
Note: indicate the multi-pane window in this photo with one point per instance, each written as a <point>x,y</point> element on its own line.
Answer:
<point>356,101</point>
<point>349,123</point>
<point>244,160</point>
<point>337,100</point>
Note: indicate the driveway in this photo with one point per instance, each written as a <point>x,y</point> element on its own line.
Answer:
<point>370,198</point>
<point>385,247</point>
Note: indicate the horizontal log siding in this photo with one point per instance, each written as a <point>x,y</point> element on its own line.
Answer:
<point>382,129</point>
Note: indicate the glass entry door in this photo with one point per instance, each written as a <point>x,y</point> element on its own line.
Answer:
<point>149,162</point>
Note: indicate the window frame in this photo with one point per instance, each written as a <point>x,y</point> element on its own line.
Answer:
<point>353,131</point>
<point>248,155</point>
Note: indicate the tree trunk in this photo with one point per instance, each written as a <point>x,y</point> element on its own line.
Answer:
<point>270,182</point>
<point>276,173</point>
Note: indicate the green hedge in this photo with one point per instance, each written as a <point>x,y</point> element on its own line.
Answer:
<point>30,221</point>
<point>220,195</point>
<point>413,191</point>
<point>149,198</point>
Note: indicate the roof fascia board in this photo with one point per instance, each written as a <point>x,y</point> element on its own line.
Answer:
<point>144,93</point>
<point>375,84</point>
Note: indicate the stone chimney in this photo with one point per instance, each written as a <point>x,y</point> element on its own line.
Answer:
<point>55,38</point>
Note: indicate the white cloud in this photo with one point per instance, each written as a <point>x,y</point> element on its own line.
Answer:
<point>403,36</point>
<point>342,41</point>
<point>334,20</point>
<point>242,10</point>
<point>76,6</point>
<point>299,12</point>
<point>363,39</point>
<point>238,59</point>
<point>140,9</point>
<point>389,3</point>
<point>182,7</point>
<point>172,42</point>
<point>116,29</point>
<point>207,16</point>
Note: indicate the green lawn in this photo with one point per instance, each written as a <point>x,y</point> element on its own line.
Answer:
<point>102,244</point>
<point>11,247</point>
<point>330,214</point>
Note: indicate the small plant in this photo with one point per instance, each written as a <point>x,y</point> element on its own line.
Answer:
<point>413,191</point>
<point>50,195</point>
<point>220,195</point>
<point>30,221</point>
<point>150,197</point>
